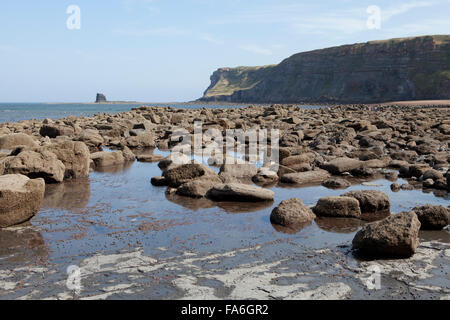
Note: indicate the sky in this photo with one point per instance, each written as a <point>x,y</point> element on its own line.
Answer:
<point>166,50</point>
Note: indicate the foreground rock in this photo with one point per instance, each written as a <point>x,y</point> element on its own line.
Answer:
<point>345,207</point>
<point>305,177</point>
<point>196,188</point>
<point>20,198</point>
<point>240,192</point>
<point>341,165</point>
<point>75,157</point>
<point>291,212</point>
<point>396,236</point>
<point>34,164</point>
<point>371,202</point>
<point>433,217</point>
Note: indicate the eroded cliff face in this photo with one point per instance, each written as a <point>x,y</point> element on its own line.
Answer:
<point>397,69</point>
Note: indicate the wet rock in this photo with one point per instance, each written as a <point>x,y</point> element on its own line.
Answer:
<point>395,187</point>
<point>159,181</point>
<point>106,159</point>
<point>184,173</point>
<point>407,186</point>
<point>74,155</point>
<point>433,217</point>
<point>196,188</point>
<point>20,198</point>
<point>432,174</point>
<point>371,201</point>
<point>35,164</point>
<point>396,236</point>
<point>240,192</point>
<point>338,207</point>
<point>53,131</point>
<point>11,141</point>
<point>149,158</point>
<point>128,155</point>
<point>291,212</point>
<point>173,161</point>
<point>305,177</point>
<point>340,165</point>
<point>336,183</point>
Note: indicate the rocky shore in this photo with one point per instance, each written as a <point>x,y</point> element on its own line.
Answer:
<point>332,147</point>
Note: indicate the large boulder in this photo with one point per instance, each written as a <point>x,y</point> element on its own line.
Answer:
<point>240,192</point>
<point>74,155</point>
<point>307,177</point>
<point>345,207</point>
<point>396,236</point>
<point>371,202</point>
<point>184,173</point>
<point>106,159</point>
<point>291,212</point>
<point>433,217</point>
<point>11,141</point>
<point>20,198</point>
<point>35,164</point>
<point>340,165</point>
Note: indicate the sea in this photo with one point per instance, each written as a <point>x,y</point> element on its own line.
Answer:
<point>10,112</point>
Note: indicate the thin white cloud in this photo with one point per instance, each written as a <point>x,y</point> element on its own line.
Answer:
<point>256,49</point>
<point>209,38</point>
<point>393,11</point>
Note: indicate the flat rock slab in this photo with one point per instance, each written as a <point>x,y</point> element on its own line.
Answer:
<point>240,192</point>
<point>345,207</point>
<point>305,177</point>
<point>20,198</point>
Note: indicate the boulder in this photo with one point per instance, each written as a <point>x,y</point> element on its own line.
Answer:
<point>128,155</point>
<point>336,183</point>
<point>54,130</point>
<point>433,217</point>
<point>240,192</point>
<point>20,198</point>
<point>396,236</point>
<point>144,140</point>
<point>432,174</point>
<point>159,181</point>
<point>35,164</point>
<point>74,155</point>
<point>340,165</point>
<point>345,207</point>
<point>106,159</point>
<point>265,176</point>
<point>11,141</point>
<point>184,173</point>
<point>371,202</point>
<point>291,212</point>
<point>196,188</point>
<point>236,171</point>
<point>306,177</point>
<point>92,139</point>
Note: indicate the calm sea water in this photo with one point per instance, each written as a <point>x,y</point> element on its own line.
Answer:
<point>25,111</point>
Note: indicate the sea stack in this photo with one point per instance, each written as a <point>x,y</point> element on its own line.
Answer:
<point>100,98</point>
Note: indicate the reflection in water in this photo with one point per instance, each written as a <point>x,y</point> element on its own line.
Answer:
<point>435,235</point>
<point>292,229</point>
<point>22,244</point>
<point>69,195</point>
<point>375,216</point>
<point>115,169</point>
<point>338,225</point>
<point>227,206</point>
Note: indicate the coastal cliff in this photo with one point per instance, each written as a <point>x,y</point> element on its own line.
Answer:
<point>415,68</point>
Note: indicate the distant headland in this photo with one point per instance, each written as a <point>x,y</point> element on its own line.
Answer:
<point>101,98</point>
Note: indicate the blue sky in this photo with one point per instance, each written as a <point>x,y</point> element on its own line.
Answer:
<point>166,50</point>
